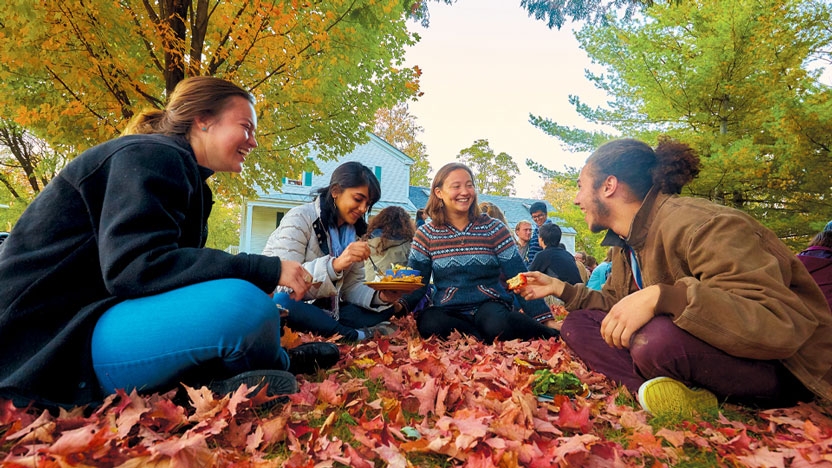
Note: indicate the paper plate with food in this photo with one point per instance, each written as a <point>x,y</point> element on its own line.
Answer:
<point>398,278</point>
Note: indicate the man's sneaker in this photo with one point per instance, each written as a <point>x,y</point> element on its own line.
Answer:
<point>277,382</point>
<point>309,357</point>
<point>381,328</point>
<point>664,396</point>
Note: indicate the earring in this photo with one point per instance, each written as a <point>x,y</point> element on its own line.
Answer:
<point>204,129</point>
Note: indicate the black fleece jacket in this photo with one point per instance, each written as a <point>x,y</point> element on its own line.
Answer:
<point>125,219</point>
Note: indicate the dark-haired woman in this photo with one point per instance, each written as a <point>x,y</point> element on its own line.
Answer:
<point>323,235</point>
<point>105,280</point>
<point>466,252</point>
<point>421,217</point>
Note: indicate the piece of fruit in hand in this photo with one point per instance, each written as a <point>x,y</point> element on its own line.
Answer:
<point>516,282</point>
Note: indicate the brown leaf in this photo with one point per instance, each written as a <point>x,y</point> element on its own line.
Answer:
<point>184,452</point>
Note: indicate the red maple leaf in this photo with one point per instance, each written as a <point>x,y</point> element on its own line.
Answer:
<point>571,418</point>
<point>426,395</point>
<point>328,392</point>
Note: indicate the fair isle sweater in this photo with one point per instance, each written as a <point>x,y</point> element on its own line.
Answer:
<point>466,266</point>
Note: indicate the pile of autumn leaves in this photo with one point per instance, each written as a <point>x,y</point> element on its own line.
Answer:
<point>402,401</point>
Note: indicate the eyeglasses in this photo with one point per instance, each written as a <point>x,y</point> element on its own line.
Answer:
<point>538,216</point>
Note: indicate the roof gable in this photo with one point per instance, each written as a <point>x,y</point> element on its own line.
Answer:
<point>392,150</point>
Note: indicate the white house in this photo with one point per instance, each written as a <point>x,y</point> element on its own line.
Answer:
<point>392,167</point>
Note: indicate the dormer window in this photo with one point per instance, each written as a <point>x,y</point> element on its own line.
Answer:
<point>305,180</point>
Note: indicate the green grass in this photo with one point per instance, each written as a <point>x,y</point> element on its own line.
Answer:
<point>430,460</point>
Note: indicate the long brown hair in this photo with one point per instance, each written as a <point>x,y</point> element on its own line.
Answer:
<point>197,96</point>
<point>435,208</point>
<point>494,211</point>
<point>822,239</point>
<point>394,222</point>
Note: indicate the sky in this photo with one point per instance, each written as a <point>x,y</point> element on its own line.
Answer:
<point>486,65</point>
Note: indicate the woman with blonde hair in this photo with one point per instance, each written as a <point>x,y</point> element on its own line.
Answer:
<point>495,212</point>
<point>128,218</point>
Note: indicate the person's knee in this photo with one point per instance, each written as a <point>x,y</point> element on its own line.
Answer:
<point>243,307</point>
<point>491,329</point>
<point>431,323</point>
<point>492,320</point>
<point>428,328</point>
<point>651,342</point>
<point>574,324</point>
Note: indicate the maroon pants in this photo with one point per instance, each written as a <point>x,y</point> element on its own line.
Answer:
<point>661,348</point>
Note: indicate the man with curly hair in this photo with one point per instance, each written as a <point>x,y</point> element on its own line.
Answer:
<point>703,303</point>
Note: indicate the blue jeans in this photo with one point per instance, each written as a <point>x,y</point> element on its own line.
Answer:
<point>193,334</point>
<point>310,318</point>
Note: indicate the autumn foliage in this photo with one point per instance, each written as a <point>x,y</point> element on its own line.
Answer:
<point>403,401</point>
<point>74,73</point>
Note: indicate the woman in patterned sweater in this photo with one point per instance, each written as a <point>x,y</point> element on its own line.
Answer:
<point>466,251</point>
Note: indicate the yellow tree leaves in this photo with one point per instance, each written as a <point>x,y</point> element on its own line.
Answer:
<point>398,127</point>
<point>319,69</point>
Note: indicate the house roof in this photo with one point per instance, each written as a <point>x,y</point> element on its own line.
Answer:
<point>395,188</point>
<point>392,150</point>
<point>419,196</point>
<point>390,165</point>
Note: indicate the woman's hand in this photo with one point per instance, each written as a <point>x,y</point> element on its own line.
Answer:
<point>398,309</point>
<point>628,315</point>
<point>390,296</point>
<point>553,324</point>
<point>539,285</point>
<point>294,276</point>
<point>357,251</point>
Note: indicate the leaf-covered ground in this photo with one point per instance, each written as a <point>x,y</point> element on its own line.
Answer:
<point>403,401</point>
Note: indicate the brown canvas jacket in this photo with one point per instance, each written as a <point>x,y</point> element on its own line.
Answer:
<point>725,279</point>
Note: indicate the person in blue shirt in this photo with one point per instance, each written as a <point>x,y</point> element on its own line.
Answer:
<point>601,272</point>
